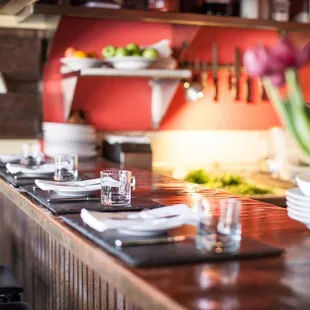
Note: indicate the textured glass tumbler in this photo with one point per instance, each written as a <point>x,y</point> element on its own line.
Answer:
<point>31,154</point>
<point>66,167</point>
<point>219,227</point>
<point>116,187</point>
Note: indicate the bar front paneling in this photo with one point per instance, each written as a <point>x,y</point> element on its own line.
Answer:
<point>53,278</point>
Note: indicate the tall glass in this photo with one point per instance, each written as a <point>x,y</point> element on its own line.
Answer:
<point>219,228</point>
<point>116,187</point>
<point>31,154</point>
<point>66,167</point>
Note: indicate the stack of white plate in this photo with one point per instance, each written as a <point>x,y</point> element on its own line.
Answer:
<point>298,199</point>
<point>69,139</point>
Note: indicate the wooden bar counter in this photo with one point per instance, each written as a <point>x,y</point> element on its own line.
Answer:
<point>60,269</point>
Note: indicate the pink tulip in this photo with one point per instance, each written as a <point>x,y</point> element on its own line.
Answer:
<point>264,61</point>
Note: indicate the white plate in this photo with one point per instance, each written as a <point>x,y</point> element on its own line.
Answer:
<point>296,193</point>
<point>76,63</point>
<point>131,62</point>
<point>155,231</point>
<point>303,182</point>
<point>299,203</point>
<point>75,194</point>
<point>298,212</point>
<point>296,218</point>
<point>77,191</point>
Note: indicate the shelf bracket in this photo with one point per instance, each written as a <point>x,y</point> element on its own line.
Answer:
<point>163,92</point>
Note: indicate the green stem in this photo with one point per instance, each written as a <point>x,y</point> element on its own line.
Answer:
<point>286,112</point>
<point>301,120</point>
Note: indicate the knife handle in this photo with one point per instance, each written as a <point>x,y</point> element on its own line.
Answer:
<point>204,79</point>
<point>235,89</point>
<point>247,89</point>
<point>215,89</point>
<point>261,89</point>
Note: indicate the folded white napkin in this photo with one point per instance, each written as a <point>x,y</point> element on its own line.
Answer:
<point>17,168</point>
<point>86,185</point>
<point>144,220</point>
<point>9,158</point>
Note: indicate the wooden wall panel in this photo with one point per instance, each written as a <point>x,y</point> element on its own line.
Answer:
<point>20,115</point>
<point>52,277</point>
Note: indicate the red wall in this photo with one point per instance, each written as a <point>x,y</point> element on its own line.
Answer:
<point>124,104</point>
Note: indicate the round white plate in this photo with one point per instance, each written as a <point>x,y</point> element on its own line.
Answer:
<point>305,205</point>
<point>76,63</point>
<point>296,193</point>
<point>75,194</point>
<point>155,230</point>
<point>300,214</point>
<point>130,62</point>
<point>297,218</point>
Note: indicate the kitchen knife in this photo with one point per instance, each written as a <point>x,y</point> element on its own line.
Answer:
<point>230,77</point>
<point>215,70</point>
<point>236,78</point>
<point>204,74</point>
<point>247,89</point>
<point>120,243</point>
<point>261,90</point>
<point>72,199</point>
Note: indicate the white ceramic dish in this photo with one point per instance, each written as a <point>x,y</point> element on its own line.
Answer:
<point>75,63</point>
<point>300,212</point>
<point>297,218</point>
<point>299,203</point>
<point>296,193</point>
<point>67,127</point>
<point>130,62</point>
<point>75,194</point>
<point>303,182</point>
<point>70,191</point>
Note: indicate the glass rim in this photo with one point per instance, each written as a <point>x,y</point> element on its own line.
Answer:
<point>66,155</point>
<point>113,171</point>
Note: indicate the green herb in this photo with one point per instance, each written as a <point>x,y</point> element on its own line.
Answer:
<point>234,184</point>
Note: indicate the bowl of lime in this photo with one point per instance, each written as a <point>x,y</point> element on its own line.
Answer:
<point>131,57</point>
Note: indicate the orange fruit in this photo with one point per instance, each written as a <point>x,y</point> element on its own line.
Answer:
<point>92,55</point>
<point>69,52</point>
<point>80,54</point>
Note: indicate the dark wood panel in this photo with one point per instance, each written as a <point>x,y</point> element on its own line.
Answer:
<point>271,283</point>
<point>44,267</point>
<point>164,17</point>
<point>20,55</point>
<point>20,115</point>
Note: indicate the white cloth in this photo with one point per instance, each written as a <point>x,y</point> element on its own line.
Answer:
<point>9,158</point>
<point>86,185</point>
<point>144,220</point>
<point>17,168</point>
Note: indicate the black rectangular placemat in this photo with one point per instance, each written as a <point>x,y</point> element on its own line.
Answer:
<point>137,203</point>
<point>166,254</point>
<point>20,182</point>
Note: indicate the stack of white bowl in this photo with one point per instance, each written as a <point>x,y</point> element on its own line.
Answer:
<point>298,199</point>
<point>69,139</point>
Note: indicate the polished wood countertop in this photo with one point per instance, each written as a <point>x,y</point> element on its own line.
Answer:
<point>269,283</point>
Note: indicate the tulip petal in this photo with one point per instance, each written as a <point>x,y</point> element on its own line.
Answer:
<point>256,61</point>
<point>277,79</point>
<point>285,52</point>
<point>303,56</point>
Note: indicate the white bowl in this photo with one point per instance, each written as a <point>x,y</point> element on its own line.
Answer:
<point>76,63</point>
<point>303,182</point>
<point>130,62</point>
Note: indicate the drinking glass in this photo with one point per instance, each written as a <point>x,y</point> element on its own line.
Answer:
<point>219,227</point>
<point>66,167</point>
<point>116,187</point>
<point>31,154</point>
